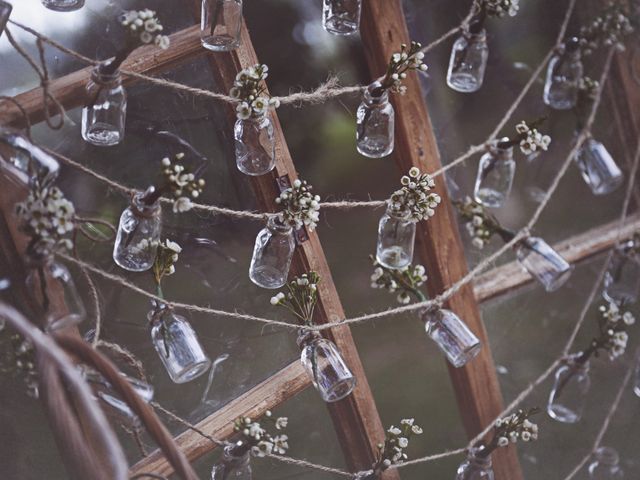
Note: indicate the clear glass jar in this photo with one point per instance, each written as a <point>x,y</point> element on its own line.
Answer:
<point>220,25</point>
<point>328,371</point>
<point>569,393</point>
<point>396,238</point>
<point>177,346</point>
<point>234,465</point>
<point>622,279</point>
<point>475,467</point>
<point>563,76</point>
<point>272,254</point>
<point>341,17</point>
<point>55,292</point>
<point>375,123</point>
<point>598,168</point>
<point>138,235</point>
<point>452,335</point>
<point>495,175</point>
<point>63,5</point>
<point>24,161</point>
<point>468,62</point>
<point>5,11</point>
<point>543,263</point>
<point>605,465</point>
<point>103,117</point>
<point>255,145</point>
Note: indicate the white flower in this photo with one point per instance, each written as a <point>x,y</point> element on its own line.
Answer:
<point>182,204</point>
<point>394,430</point>
<point>173,246</point>
<point>162,41</point>
<point>503,441</point>
<point>416,430</point>
<point>281,423</point>
<point>146,37</point>
<point>243,111</point>
<point>403,442</point>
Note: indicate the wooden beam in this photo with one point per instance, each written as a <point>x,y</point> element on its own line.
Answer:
<point>476,385</point>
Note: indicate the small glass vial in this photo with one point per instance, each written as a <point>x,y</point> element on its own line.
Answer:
<point>255,145</point>
<point>375,123</point>
<point>24,160</point>
<point>63,5</point>
<point>396,238</point>
<point>452,335</point>
<point>328,371</point>
<point>103,117</point>
<point>177,346</point>
<point>468,61</point>
<point>598,168</point>
<point>221,22</point>
<point>138,235</point>
<point>563,75</point>
<point>235,464</point>
<point>622,279</point>
<point>341,17</point>
<point>475,467</point>
<point>5,11</point>
<point>605,465</point>
<point>272,254</point>
<point>569,393</point>
<point>495,175</point>
<point>543,263</point>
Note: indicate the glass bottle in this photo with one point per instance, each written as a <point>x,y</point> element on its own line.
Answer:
<point>396,237</point>
<point>622,279</point>
<point>543,263</point>
<point>495,175</point>
<point>220,25</point>
<point>569,393</point>
<point>598,168</point>
<point>322,361</point>
<point>475,467</point>
<point>468,61</point>
<point>272,254</point>
<point>235,464</point>
<point>452,335</point>
<point>341,17</point>
<point>138,235</point>
<point>605,465</point>
<point>103,117</point>
<point>63,5</point>
<point>255,145</point>
<point>177,346</point>
<point>375,123</point>
<point>5,11</point>
<point>563,75</point>
<point>24,161</point>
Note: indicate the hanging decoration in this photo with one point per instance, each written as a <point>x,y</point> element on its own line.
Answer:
<point>24,161</point>
<point>63,5</point>
<point>622,279</point>
<point>605,465</point>
<point>341,17</point>
<point>220,24</point>
<point>564,73</point>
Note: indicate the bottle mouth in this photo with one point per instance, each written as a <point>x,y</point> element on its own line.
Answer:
<point>607,456</point>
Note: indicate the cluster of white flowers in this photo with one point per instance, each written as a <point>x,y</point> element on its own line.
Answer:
<point>144,26</point>
<point>166,258</point>
<point>606,30</point>
<point>613,327</point>
<point>531,140</point>
<point>250,90</point>
<point>403,281</point>
<point>407,59</point>
<point>413,200</point>
<point>588,88</point>
<point>301,208</point>
<point>515,427</point>
<point>258,439</point>
<point>391,452</point>
<point>480,224</point>
<point>182,184</point>
<point>500,8</point>
<point>301,297</point>
<point>48,218</point>
<point>144,245</point>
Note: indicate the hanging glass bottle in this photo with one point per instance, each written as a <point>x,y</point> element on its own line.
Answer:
<point>255,145</point>
<point>570,389</point>
<point>598,168</point>
<point>475,467</point>
<point>63,5</point>
<point>495,175</point>
<point>396,237</point>
<point>235,464</point>
<point>103,118</point>
<point>138,234</point>
<point>543,263</point>
<point>605,465</point>
<point>221,22</point>
<point>272,254</point>
<point>563,76</point>
<point>341,17</point>
<point>177,345</point>
<point>5,11</point>
<point>24,161</point>
<point>328,371</point>
<point>452,335</point>
<point>468,60</point>
<point>375,123</point>
<point>622,280</point>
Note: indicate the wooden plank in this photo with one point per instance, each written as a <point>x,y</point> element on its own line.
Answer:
<point>438,241</point>
<point>510,276</point>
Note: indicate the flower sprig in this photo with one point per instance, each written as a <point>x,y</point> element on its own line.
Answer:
<point>612,337</point>
<point>392,451</point>
<point>165,261</point>
<point>606,30</point>
<point>414,198</point>
<point>498,8</point>
<point>409,58</point>
<point>528,138</point>
<point>510,429</point>
<point>300,298</point>
<point>480,223</point>
<point>301,208</point>
<point>250,90</point>
<point>180,183</point>
<point>256,439</point>
<point>588,89</point>
<point>405,281</point>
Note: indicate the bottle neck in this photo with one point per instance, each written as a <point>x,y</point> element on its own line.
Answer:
<point>306,337</point>
<point>479,461</point>
<point>277,227</point>
<point>236,455</point>
<point>397,215</point>
<point>141,209</point>
<point>375,95</point>
<point>479,37</point>
<point>502,150</point>
<point>108,80</point>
